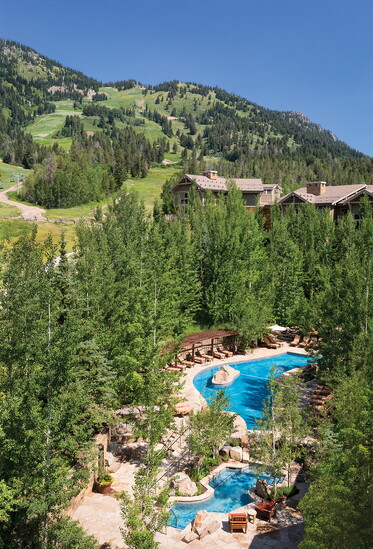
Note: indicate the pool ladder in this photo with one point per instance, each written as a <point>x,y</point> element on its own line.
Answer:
<point>225,479</point>
<point>175,515</point>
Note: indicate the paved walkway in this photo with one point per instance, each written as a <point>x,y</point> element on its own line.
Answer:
<point>99,515</point>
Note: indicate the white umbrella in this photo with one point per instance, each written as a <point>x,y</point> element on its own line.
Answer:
<point>277,328</point>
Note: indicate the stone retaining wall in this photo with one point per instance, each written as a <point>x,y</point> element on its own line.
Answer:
<point>75,501</point>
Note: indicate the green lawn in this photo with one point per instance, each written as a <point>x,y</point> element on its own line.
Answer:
<point>45,125</point>
<point>8,211</point>
<point>13,195</point>
<point>84,210</point>
<point>7,171</point>
<point>13,229</point>
<point>150,187</point>
<point>126,98</point>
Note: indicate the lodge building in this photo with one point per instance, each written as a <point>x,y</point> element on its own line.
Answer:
<point>338,199</point>
<point>254,192</point>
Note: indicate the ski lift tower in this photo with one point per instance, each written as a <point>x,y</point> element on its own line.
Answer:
<point>18,177</point>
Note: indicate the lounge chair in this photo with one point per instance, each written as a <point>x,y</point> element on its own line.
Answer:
<point>206,357</point>
<point>295,341</point>
<point>268,344</point>
<point>271,339</point>
<point>199,359</point>
<point>187,363</point>
<point>225,352</point>
<point>179,365</point>
<point>172,368</point>
<point>238,521</point>
<point>267,510</point>
<point>305,342</point>
<point>216,354</point>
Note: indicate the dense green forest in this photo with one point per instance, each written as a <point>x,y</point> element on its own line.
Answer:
<point>84,336</point>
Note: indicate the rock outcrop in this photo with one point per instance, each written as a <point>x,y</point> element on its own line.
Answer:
<point>182,408</point>
<point>236,453</point>
<point>225,375</point>
<point>203,525</point>
<point>262,489</point>
<point>184,485</point>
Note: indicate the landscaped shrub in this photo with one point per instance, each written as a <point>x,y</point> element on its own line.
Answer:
<point>287,491</point>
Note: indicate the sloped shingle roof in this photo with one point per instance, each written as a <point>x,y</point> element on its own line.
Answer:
<point>220,183</point>
<point>332,194</point>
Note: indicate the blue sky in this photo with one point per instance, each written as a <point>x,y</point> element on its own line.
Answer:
<point>311,56</point>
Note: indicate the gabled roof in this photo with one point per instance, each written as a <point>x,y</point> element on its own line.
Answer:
<point>220,183</point>
<point>332,195</point>
<point>367,190</point>
<point>302,196</point>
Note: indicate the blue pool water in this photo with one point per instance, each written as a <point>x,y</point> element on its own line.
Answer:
<point>248,392</point>
<point>231,487</point>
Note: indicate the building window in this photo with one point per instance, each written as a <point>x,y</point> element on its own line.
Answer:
<point>184,198</point>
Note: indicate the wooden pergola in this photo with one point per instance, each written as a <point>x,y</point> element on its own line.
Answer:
<point>208,338</point>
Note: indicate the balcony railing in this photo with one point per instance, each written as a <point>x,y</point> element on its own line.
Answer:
<point>267,199</point>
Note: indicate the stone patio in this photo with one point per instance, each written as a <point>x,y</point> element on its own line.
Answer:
<point>284,532</point>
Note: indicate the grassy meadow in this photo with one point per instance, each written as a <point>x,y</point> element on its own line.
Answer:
<point>10,230</point>
<point>7,171</point>
<point>44,128</point>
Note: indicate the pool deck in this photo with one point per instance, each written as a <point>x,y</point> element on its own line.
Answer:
<point>285,531</point>
<point>100,515</point>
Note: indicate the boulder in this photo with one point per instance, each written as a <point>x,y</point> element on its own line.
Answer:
<point>262,489</point>
<point>112,464</point>
<point>245,457</point>
<point>184,485</point>
<point>239,428</point>
<point>236,453</point>
<point>183,407</point>
<point>211,527</point>
<point>224,451</point>
<point>225,375</point>
<point>204,524</point>
<point>245,441</point>
<point>190,537</point>
<point>200,517</point>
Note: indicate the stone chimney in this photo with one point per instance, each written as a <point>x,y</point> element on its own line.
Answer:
<point>211,174</point>
<point>316,187</point>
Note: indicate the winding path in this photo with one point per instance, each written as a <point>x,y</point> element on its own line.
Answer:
<point>30,213</point>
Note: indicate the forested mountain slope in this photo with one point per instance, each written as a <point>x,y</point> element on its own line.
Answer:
<point>127,126</point>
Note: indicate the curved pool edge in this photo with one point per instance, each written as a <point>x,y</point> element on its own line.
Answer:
<point>238,359</point>
<point>202,498</point>
<point>190,393</point>
<point>205,483</point>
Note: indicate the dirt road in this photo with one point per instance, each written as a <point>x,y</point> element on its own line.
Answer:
<point>31,213</point>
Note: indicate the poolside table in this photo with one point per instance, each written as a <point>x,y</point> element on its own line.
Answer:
<point>251,515</point>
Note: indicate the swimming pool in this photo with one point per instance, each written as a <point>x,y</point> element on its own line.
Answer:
<point>231,487</point>
<point>249,390</point>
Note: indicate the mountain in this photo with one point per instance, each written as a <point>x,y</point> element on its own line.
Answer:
<point>194,124</point>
